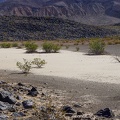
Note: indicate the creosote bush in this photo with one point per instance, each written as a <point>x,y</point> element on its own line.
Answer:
<point>50,47</point>
<point>14,44</point>
<point>97,47</point>
<point>25,66</point>
<point>5,45</point>
<point>56,48</point>
<point>31,47</point>
<point>38,62</point>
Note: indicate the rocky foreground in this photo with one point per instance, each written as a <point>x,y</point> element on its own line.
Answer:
<point>20,101</point>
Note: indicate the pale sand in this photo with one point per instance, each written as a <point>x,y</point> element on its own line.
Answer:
<point>68,64</point>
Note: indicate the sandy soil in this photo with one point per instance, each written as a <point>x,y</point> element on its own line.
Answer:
<point>68,64</point>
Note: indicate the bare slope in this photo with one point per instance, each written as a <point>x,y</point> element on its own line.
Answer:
<point>97,12</point>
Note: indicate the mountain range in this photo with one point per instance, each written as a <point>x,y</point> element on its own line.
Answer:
<point>93,12</point>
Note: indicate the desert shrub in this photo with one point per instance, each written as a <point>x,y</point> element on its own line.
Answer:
<point>31,47</point>
<point>5,45</point>
<point>47,46</point>
<point>38,62</point>
<point>14,44</point>
<point>109,43</point>
<point>97,47</point>
<point>50,47</point>
<point>25,66</point>
<point>56,47</point>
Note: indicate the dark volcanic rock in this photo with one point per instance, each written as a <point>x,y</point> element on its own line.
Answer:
<point>33,92</point>
<point>20,84</point>
<point>105,113</point>
<point>4,106</point>
<point>3,117</point>
<point>18,114</point>
<point>68,109</point>
<point>19,97</point>
<point>6,96</point>
<point>28,104</point>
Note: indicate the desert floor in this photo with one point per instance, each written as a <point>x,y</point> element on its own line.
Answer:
<point>92,81</point>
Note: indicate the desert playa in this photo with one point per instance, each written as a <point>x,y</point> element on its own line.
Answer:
<point>67,64</point>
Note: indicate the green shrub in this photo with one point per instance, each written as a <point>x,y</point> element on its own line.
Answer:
<point>97,47</point>
<point>47,46</point>
<point>25,67</point>
<point>38,62</point>
<point>56,48</point>
<point>31,47</point>
<point>109,43</point>
<point>5,45</point>
<point>14,44</point>
<point>50,47</point>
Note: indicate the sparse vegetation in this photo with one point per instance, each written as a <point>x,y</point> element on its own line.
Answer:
<point>50,47</point>
<point>97,47</point>
<point>5,45</point>
<point>47,46</point>
<point>56,48</point>
<point>38,62</point>
<point>31,47</point>
<point>25,66</point>
<point>14,44</point>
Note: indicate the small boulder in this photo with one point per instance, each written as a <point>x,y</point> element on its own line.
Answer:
<point>33,92</point>
<point>18,114</point>
<point>3,117</point>
<point>12,109</point>
<point>28,104</point>
<point>20,84</point>
<point>4,106</point>
<point>6,96</point>
<point>19,97</point>
<point>68,109</point>
<point>105,113</point>
<point>18,104</point>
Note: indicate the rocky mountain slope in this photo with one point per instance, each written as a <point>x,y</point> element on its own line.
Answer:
<point>97,12</point>
<point>37,28</point>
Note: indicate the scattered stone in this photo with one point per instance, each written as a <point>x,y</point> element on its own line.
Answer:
<point>12,109</point>
<point>18,114</point>
<point>2,82</point>
<point>19,97</point>
<point>3,117</point>
<point>69,114</point>
<point>18,104</point>
<point>43,109</point>
<point>79,113</point>
<point>20,84</point>
<point>68,109</point>
<point>77,106</point>
<point>6,96</point>
<point>33,92</point>
<point>28,104</point>
<point>4,106</point>
<point>42,94</point>
<point>105,113</point>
